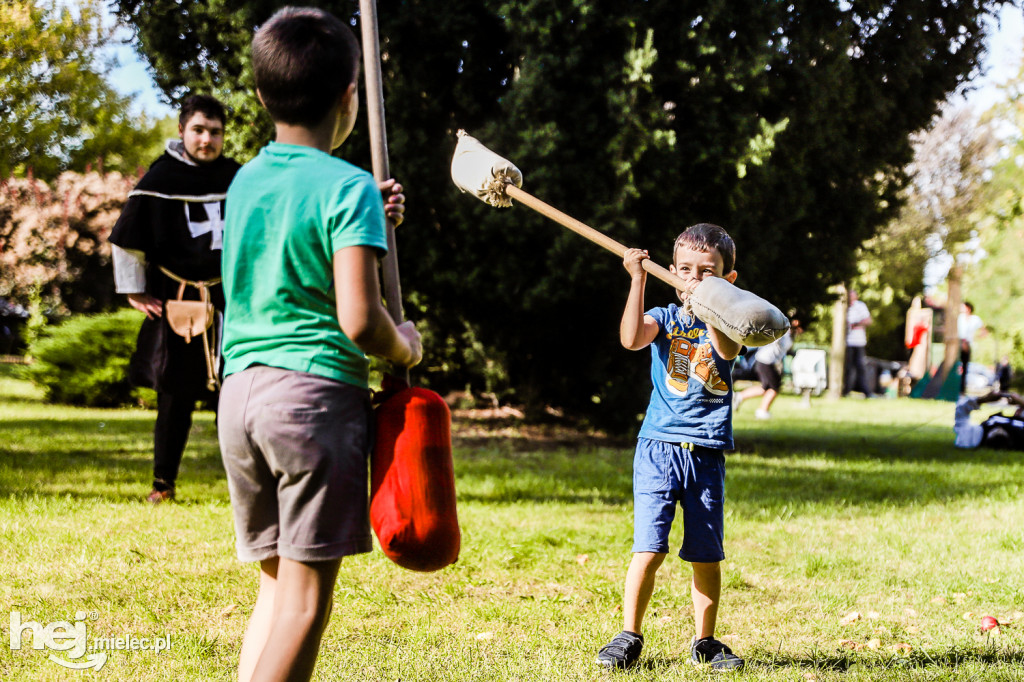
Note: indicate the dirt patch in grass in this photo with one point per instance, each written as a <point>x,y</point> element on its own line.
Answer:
<point>508,427</point>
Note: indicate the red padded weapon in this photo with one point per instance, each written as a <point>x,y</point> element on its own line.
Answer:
<point>412,481</point>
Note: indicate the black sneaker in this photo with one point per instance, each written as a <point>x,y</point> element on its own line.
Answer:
<point>622,652</point>
<point>710,652</point>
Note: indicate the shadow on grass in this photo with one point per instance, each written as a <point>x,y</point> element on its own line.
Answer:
<point>774,468</point>
<point>834,464</point>
<point>108,457</point>
<point>856,442</point>
<point>841,662</point>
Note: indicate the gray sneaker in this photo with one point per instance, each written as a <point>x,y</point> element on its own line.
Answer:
<point>712,653</point>
<point>622,652</point>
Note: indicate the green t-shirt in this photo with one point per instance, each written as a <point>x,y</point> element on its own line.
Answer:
<point>288,212</point>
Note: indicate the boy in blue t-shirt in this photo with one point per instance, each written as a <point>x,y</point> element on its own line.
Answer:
<point>302,236</point>
<point>679,454</point>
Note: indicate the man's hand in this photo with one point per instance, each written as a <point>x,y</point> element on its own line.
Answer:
<point>145,303</point>
<point>394,201</point>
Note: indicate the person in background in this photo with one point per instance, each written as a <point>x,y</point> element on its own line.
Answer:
<point>855,372</point>
<point>999,431</point>
<point>170,230</point>
<point>1004,373</point>
<point>968,325</point>
<point>767,366</point>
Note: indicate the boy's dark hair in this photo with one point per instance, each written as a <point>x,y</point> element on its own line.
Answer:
<point>704,237</point>
<point>208,106</point>
<point>303,59</point>
<point>970,306</point>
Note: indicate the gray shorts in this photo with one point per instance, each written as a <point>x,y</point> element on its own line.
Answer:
<point>295,447</point>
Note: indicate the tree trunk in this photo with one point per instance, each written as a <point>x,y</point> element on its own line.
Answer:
<point>837,361</point>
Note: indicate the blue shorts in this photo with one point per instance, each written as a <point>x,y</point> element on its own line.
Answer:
<point>692,475</point>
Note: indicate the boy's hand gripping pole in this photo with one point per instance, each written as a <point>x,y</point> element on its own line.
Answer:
<point>379,154</point>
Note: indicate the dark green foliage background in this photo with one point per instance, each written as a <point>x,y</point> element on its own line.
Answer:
<point>639,148</point>
<point>84,360</point>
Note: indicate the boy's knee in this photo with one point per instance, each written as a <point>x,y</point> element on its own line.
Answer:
<point>709,569</point>
<point>650,560</point>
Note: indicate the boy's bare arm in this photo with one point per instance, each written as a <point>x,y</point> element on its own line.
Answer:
<point>636,330</point>
<point>1013,398</point>
<point>723,345</point>
<point>361,314</point>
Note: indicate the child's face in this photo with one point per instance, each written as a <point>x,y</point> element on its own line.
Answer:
<point>693,265</point>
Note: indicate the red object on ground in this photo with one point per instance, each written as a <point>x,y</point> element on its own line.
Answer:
<point>989,623</point>
<point>412,488</point>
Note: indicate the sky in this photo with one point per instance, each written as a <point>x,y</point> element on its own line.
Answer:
<point>132,78</point>
<point>1003,60</point>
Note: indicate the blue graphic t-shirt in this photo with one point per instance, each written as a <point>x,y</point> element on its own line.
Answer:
<point>692,397</point>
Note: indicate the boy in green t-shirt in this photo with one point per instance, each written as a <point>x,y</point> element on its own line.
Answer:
<point>302,235</point>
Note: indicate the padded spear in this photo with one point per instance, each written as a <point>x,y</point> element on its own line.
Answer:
<point>412,480</point>
<point>744,317</point>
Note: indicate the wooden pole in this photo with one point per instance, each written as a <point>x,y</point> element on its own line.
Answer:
<point>590,233</point>
<point>379,154</point>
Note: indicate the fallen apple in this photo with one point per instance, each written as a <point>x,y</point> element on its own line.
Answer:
<point>989,623</point>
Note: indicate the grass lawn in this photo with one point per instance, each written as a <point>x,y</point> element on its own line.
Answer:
<point>861,546</point>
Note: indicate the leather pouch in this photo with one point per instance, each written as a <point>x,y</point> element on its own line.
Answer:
<point>189,318</point>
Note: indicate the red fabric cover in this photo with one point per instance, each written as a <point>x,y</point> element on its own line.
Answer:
<point>918,334</point>
<point>412,490</point>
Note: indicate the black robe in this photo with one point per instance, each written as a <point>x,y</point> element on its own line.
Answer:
<point>175,216</point>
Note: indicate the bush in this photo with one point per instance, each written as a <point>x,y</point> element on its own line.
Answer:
<point>84,360</point>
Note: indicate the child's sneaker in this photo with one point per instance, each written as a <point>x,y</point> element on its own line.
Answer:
<point>622,652</point>
<point>710,652</point>
<point>762,414</point>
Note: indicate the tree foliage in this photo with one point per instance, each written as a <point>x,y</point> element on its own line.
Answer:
<point>53,240</point>
<point>941,206</point>
<point>993,283</point>
<point>57,110</point>
<point>786,122</point>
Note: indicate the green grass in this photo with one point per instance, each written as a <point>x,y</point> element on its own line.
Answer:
<point>847,506</point>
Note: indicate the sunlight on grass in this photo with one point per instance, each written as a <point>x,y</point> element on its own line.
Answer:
<point>854,508</point>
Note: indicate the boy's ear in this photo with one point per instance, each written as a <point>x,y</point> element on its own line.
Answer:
<point>731,277</point>
<point>259,96</point>
<point>347,96</point>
